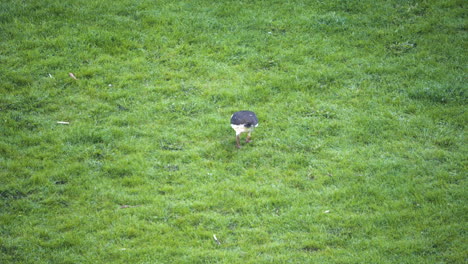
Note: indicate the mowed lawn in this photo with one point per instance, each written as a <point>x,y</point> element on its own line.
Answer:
<point>116,147</point>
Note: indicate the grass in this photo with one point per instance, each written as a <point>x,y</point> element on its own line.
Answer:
<point>360,155</point>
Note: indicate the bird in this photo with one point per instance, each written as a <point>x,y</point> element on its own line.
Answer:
<point>243,122</point>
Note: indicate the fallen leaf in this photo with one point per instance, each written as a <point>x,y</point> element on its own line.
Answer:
<point>72,75</point>
<point>216,239</point>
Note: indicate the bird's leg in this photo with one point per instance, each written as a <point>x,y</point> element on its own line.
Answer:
<point>238,141</point>
<point>248,138</point>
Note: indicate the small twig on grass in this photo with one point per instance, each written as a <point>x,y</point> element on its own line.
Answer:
<point>128,206</point>
<point>216,239</point>
<point>63,122</point>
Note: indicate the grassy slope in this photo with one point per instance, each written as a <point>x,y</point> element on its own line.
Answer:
<point>362,115</point>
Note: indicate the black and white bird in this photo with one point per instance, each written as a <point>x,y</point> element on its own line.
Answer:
<point>243,122</point>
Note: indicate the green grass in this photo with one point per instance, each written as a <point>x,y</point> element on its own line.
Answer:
<point>360,155</point>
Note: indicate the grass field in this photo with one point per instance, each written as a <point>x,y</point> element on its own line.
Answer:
<point>360,155</point>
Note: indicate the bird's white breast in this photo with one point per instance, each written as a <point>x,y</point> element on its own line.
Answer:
<point>242,129</point>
